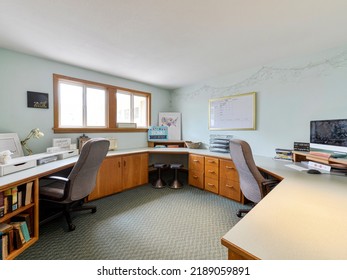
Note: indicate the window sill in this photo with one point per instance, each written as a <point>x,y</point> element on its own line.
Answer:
<point>98,130</point>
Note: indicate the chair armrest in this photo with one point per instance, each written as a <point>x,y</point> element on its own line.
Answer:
<point>56,178</point>
<point>268,185</point>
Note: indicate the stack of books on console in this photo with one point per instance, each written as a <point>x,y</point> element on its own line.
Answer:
<point>283,154</point>
<point>219,143</point>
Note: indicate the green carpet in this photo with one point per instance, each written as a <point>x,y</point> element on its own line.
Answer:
<point>142,223</point>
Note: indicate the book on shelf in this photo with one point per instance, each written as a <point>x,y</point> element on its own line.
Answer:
<point>28,196</point>
<point>5,228</point>
<point>23,217</point>
<point>2,205</point>
<point>3,246</point>
<point>7,201</point>
<point>18,235</point>
<point>26,193</point>
<point>283,154</point>
<point>25,230</point>
<point>10,241</point>
<point>5,240</point>
<point>14,193</point>
<point>19,198</point>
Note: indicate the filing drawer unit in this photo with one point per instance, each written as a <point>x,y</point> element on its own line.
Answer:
<point>196,171</point>
<point>212,174</point>
<point>229,184</point>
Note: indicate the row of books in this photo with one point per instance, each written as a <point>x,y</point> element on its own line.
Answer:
<point>15,234</point>
<point>284,154</point>
<point>15,197</point>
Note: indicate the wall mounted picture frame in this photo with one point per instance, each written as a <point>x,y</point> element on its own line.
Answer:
<point>173,122</point>
<point>236,112</point>
<point>37,100</point>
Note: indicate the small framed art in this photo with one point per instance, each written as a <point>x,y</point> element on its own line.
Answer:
<point>37,100</point>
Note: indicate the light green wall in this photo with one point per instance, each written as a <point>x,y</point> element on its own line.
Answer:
<point>290,93</point>
<point>20,73</point>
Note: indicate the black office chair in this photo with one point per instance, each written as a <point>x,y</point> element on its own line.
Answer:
<point>252,183</point>
<point>61,195</point>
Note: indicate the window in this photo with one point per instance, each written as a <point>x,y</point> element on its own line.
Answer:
<point>85,106</point>
<point>132,108</point>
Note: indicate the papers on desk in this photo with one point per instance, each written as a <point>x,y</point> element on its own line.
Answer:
<point>297,167</point>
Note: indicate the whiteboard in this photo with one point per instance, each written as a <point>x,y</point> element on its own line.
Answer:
<point>236,112</point>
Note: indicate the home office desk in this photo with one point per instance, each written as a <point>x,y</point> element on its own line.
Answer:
<point>304,217</point>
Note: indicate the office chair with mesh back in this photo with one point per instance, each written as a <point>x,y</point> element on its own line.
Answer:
<point>66,194</point>
<point>252,183</point>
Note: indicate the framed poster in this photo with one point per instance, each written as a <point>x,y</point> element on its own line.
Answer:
<point>236,112</point>
<point>173,122</point>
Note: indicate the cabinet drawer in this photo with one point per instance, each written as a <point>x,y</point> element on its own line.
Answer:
<point>196,162</point>
<point>230,189</point>
<point>211,185</point>
<point>196,178</point>
<point>228,170</point>
<point>211,161</point>
<point>211,172</point>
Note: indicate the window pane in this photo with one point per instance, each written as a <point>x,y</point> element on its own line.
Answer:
<point>71,105</point>
<point>96,107</point>
<point>140,110</point>
<point>123,107</point>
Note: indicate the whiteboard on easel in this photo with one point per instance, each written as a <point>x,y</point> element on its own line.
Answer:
<point>236,112</point>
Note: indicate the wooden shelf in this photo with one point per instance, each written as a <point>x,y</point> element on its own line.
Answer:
<point>31,208</point>
<point>179,143</point>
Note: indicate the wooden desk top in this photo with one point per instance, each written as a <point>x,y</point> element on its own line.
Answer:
<point>304,217</point>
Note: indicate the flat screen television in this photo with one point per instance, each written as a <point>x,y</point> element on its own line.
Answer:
<point>330,135</point>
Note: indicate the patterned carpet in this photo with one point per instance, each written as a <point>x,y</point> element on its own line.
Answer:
<point>142,224</point>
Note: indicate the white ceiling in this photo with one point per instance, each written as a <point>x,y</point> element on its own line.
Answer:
<point>174,43</point>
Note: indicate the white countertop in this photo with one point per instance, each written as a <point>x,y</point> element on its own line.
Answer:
<point>45,168</point>
<point>304,217</point>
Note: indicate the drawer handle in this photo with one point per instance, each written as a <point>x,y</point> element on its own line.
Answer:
<point>195,177</point>
<point>232,187</point>
<point>211,185</point>
<point>195,160</point>
<point>211,171</point>
<point>211,161</point>
<point>229,167</point>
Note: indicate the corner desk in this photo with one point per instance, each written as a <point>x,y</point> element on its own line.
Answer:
<point>130,165</point>
<point>303,218</point>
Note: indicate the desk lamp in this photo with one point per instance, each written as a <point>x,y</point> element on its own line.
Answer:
<point>36,133</point>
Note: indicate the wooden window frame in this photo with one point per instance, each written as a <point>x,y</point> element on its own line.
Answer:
<point>111,119</point>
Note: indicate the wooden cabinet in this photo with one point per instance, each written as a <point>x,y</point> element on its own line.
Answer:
<point>109,180</point>
<point>196,171</point>
<point>229,185</point>
<point>135,170</point>
<point>118,173</point>
<point>30,208</point>
<point>212,174</point>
